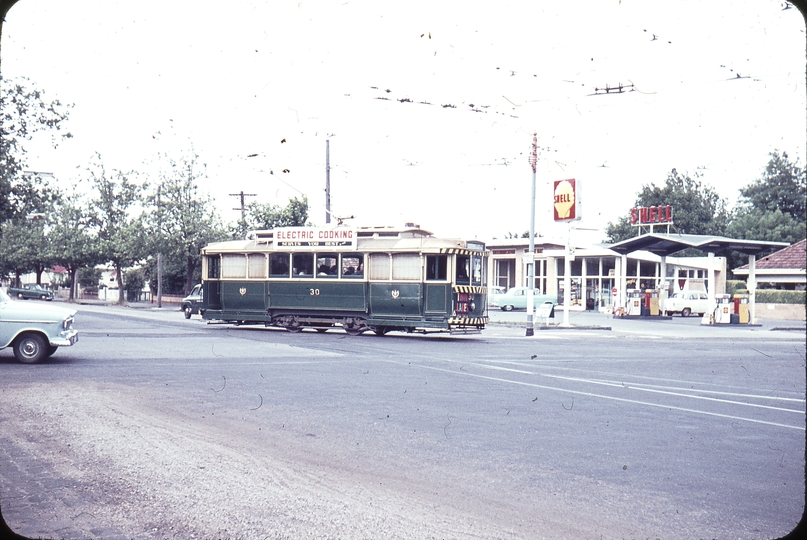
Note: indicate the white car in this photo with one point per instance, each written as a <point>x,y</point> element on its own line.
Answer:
<point>34,331</point>
<point>687,303</point>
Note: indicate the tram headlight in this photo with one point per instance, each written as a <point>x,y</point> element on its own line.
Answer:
<point>473,306</point>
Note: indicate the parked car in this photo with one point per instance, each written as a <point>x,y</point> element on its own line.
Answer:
<point>34,331</point>
<point>192,303</point>
<point>687,303</point>
<point>516,298</point>
<point>493,295</point>
<point>30,290</point>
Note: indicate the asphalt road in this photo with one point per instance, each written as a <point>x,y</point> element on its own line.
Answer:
<point>157,427</point>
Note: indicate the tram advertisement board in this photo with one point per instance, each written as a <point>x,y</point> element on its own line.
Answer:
<point>308,237</point>
<point>566,203</point>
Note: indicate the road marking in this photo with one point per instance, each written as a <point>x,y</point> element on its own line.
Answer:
<point>623,400</point>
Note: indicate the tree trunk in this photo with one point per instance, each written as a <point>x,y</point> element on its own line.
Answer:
<point>190,269</point>
<point>121,295</point>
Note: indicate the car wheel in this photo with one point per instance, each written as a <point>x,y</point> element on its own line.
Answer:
<point>51,350</point>
<point>188,312</point>
<point>686,312</point>
<point>20,296</point>
<point>507,308</point>
<point>30,348</point>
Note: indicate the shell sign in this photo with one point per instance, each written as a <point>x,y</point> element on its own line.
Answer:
<point>567,200</point>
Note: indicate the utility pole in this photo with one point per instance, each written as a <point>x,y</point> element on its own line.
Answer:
<point>243,208</point>
<point>327,181</point>
<point>531,255</point>
<point>160,254</point>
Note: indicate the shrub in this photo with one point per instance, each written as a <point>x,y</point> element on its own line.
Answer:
<point>770,296</point>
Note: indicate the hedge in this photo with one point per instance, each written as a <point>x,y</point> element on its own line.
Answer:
<point>771,296</point>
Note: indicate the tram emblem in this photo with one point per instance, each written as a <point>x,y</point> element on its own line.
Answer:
<point>396,294</point>
<point>243,291</point>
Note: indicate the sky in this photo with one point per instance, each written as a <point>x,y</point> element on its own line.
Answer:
<point>428,107</point>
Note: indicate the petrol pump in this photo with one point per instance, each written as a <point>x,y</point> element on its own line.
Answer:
<point>724,309</point>
<point>741,308</point>
<point>635,302</point>
<point>651,302</point>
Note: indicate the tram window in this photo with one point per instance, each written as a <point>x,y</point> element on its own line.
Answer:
<point>463,270</point>
<point>378,266</point>
<point>352,266</point>
<point>303,264</point>
<point>406,266</point>
<point>279,265</point>
<point>326,265</point>
<point>476,265</point>
<point>256,265</point>
<point>213,267</point>
<point>436,267</point>
<point>233,266</point>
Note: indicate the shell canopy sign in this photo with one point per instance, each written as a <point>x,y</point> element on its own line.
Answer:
<point>566,206</point>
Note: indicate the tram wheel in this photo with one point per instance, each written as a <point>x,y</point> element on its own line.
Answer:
<point>380,330</point>
<point>294,329</point>
<point>354,326</point>
<point>321,330</point>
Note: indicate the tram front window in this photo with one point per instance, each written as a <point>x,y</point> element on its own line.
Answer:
<point>463,276</point>
<point>477,270</point>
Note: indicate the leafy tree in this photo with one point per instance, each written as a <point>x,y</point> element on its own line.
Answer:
<point>771,208</point>
<point>72,245</point>
<point>24,112</point>
<point>783,186</point>
<point>120,238</point>
<point>697,208</point>
<point>270,216</point>
<point>22,248</point>
<point>182,219</point>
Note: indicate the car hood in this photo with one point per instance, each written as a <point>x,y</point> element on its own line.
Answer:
<point>34,311</point>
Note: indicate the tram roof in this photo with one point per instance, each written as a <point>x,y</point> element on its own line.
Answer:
<point>410,237</point>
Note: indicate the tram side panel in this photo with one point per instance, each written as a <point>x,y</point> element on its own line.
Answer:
<point>317,295</point>
<point>398,301</point>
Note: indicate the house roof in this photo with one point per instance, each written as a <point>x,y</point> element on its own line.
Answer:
<point>794,257</point>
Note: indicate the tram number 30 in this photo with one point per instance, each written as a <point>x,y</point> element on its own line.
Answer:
<point>313,292</point>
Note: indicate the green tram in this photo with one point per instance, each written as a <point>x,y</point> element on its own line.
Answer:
<point>377,279</point>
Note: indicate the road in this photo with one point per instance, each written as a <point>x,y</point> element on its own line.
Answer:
<point>157,427</point>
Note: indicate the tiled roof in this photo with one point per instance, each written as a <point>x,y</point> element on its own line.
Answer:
<point>793,256</point>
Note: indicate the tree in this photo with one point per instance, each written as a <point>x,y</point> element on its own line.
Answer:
<point>120,239</point>
<point>22,248</point>
<point>697,208</point>
<point>182,219</point>
<point>73,247</point>
<point>24,112</point>
<point>270,216</point>
<point>783,186</point>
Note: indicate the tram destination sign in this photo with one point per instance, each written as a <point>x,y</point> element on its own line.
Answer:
<point>317,237</point>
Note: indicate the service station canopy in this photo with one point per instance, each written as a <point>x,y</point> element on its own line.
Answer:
<point>667,244</point>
